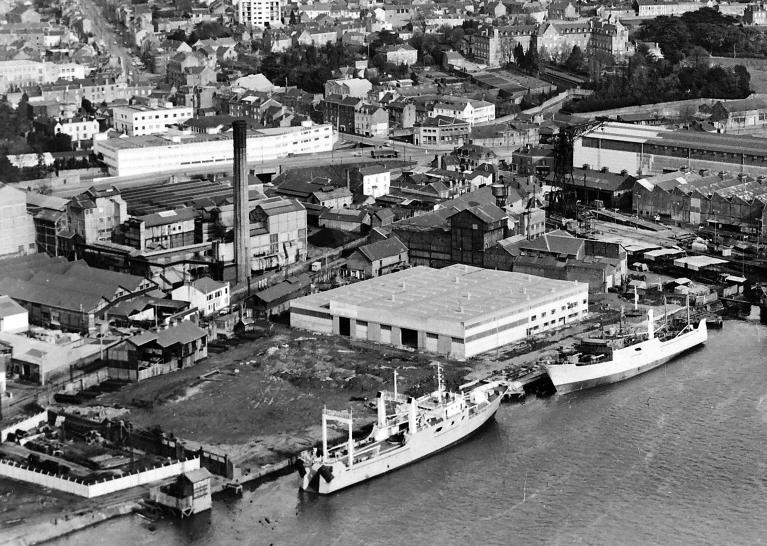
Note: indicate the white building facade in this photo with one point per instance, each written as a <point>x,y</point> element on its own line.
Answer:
<point>154,154</point>
<point>207,295</point>
<point>138,120</point>
<point>260,13</point>
<point>17,229</point>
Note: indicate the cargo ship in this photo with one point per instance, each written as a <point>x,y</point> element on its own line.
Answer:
<point>407,430</point>
<point>613,358</point>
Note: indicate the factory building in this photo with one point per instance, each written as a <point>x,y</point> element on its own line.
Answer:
<point>645,150</point>
<point>155,154</point>
<point>460,311</point>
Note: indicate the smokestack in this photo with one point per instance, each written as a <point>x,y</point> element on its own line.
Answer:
<point>241,209</point>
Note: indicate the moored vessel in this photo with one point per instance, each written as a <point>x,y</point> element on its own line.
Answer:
<point>613,358</point>
<point>407,429</point>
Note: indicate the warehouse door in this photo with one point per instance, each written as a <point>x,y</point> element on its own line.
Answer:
<point>410,338</point>
<point>344,326</point>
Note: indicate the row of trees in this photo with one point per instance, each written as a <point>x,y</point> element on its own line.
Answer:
<point>308,67</point>
<point>649,80</point>
<point>718,34</point>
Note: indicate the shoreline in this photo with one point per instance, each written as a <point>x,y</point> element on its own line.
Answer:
<point>48,528</point>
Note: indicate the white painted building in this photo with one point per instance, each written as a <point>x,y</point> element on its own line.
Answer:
<point>138,120</point>
<point>17,229</point>
<point>78,129</point>
<point>153,154</point>
<point>27,72</point>
<point>207,295</point>
<point>260,13</point>
<point>375,180</point>
<point>14,319</point>
<point>458,310</point>
<point>469,110</point>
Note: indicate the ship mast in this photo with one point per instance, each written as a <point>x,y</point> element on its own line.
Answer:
<point>440,381</point>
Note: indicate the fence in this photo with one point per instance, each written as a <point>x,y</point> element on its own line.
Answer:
<point>25,424</point>
<point>152,441</point>
<point>16,471</point>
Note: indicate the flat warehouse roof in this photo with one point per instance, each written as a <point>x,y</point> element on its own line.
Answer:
<point>456,294</point>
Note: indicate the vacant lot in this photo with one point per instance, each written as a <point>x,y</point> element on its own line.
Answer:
<point>266,397</point>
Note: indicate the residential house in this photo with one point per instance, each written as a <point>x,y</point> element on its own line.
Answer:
<point>371,121</point>
<point>375,180</point>
<point>275,300</point>
<point>469,110</point>
<point>401,54</point>
<point>351,220</point>
<point>348,87</point>
<point>148,354</point>
<point>378,258</point>
<point>207,295</point>
<point>340,111</point>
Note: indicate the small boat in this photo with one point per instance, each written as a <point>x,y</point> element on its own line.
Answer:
<point>714,322</point>
<point>415,429</point>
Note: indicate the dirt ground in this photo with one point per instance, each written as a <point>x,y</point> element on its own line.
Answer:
<point>266,399</point>
<point>261,399</point>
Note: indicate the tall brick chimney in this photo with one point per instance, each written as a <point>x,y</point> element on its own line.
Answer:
<point>241,209</point>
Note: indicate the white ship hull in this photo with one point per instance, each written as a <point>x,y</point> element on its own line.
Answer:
<point>391,456</point>
<point>626,362</point>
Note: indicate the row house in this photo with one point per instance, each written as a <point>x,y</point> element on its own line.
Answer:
<point>724,198</point>
<point>316,37</point>
<point>340,111</point>
<point>469,110</point>
<point>95,90</point>
<point>656,8</point>
<point>371,121</point>
<point>348,87</point>
<point>78,128</point>
<point>402,113</point>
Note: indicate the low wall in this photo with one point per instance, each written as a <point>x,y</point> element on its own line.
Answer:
<point>26,424</point>
<point>16,471</point>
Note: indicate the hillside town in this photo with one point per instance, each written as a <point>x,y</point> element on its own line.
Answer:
<point>271,202</point>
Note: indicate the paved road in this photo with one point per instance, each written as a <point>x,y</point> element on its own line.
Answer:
<point>106,32</point>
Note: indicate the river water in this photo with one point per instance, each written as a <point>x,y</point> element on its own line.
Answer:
<point>675,456</point>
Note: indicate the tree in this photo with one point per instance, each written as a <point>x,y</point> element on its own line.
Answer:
<point>519,55</point>
<point>178,35</point>
<point>292,21</point>
<point>576,61</point>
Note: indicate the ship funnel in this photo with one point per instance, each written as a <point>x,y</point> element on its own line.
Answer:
<point>650,325</point>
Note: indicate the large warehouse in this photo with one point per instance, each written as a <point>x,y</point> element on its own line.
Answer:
<point>644,150</point>
<point>459,310</point>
